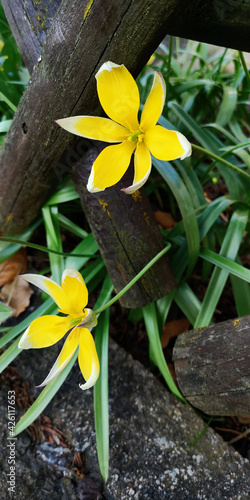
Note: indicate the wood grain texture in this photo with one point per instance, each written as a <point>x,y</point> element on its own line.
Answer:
<point>127,234</point>
<point>30,21</point>
<point>213,367</point>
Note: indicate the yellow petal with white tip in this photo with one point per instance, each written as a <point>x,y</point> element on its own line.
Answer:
<point>68,350</point>
<point>51,288</point>
<point>166,144</point>
<point>154,104</point>
<point>142,165</point>
<point>118,94</point>
<point>88,359</point>
<point>110,166</point>
<point>93,127</point>
<point>75,290</point>
<point>44,331</point>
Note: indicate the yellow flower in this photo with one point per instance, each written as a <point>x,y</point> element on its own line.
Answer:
<point>71,298</point>
<point>119,97</point>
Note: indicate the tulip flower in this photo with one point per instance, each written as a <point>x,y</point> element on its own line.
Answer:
<point>119,97</point>
<point>71,298</point>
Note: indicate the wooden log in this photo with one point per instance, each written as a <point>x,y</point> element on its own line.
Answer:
<point>212,367</point>
<point>220,22</point>
<point>126,232</point>
<point>124,255</point>
<point>30,22</point>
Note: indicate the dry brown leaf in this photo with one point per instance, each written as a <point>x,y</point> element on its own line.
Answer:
<point>17,264</point>
<point>172,329</point>
<point>244,419</point>
<point>16,295</point>
<point>164,219</point>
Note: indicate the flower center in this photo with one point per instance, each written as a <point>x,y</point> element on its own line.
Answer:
<point>136,136</point>
<point>75,320</point>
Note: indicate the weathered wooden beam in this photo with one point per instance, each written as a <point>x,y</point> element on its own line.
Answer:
<point>212,367</point>
<point>30,22</point>
<point>127,234</point>
<point>220,22</point>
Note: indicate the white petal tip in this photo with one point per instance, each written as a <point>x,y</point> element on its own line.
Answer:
<point>107,66</point>
<point>86,386</point>
<point>185,144</point>
<point>90,186</point>
<point>92,379</point>
<point>24,342</point>
<point>129,190</point>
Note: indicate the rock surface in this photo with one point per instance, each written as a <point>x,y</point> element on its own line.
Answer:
<point>150,437</point>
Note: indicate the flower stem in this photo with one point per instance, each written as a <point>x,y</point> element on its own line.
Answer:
<point>134,280</point>
<point>221,160</point>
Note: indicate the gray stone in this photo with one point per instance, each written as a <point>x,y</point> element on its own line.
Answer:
<point>150,437</point>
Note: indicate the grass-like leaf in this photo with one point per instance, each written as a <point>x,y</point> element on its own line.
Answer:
<point>186,207</point>
<point>229,249</point>
<point>101,404</point>
<point>151,323</point>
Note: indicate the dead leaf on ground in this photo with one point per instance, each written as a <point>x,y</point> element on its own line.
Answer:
<point>12,267</point>
<point>164,219</point>
<point>173,329</point>
<point>17,295</point>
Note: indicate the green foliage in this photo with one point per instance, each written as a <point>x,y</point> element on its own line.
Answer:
<point>207,100</point>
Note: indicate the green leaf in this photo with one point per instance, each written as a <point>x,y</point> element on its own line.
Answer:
<point>65,194</point>
<point>228,105</point>
<point>8,249</point>
<point>187,302</point>
<point>101,403</point>
<point>4,126</point>
<point>53,236</point>
<point>229,249</point>
<point>5,312</point>
<point>186,207</point>
<point>226,264</point>
<point>151,323</point>
<point>9,354</point>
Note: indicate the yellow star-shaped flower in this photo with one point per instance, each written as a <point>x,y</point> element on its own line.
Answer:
<point>71,298</point>
<point>119,97</point>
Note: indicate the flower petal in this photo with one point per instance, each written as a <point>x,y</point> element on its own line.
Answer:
<point>44,331</point>
<point>118,94</point>
<point>75,290</point>
<point>110,166</point>
<point>167,144</point>
<point>142,164</point>
<point>154,104</point>
<point>68,350</point>
<point>93,127</point>
<point>88,359</point>
<point>52,288</point>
